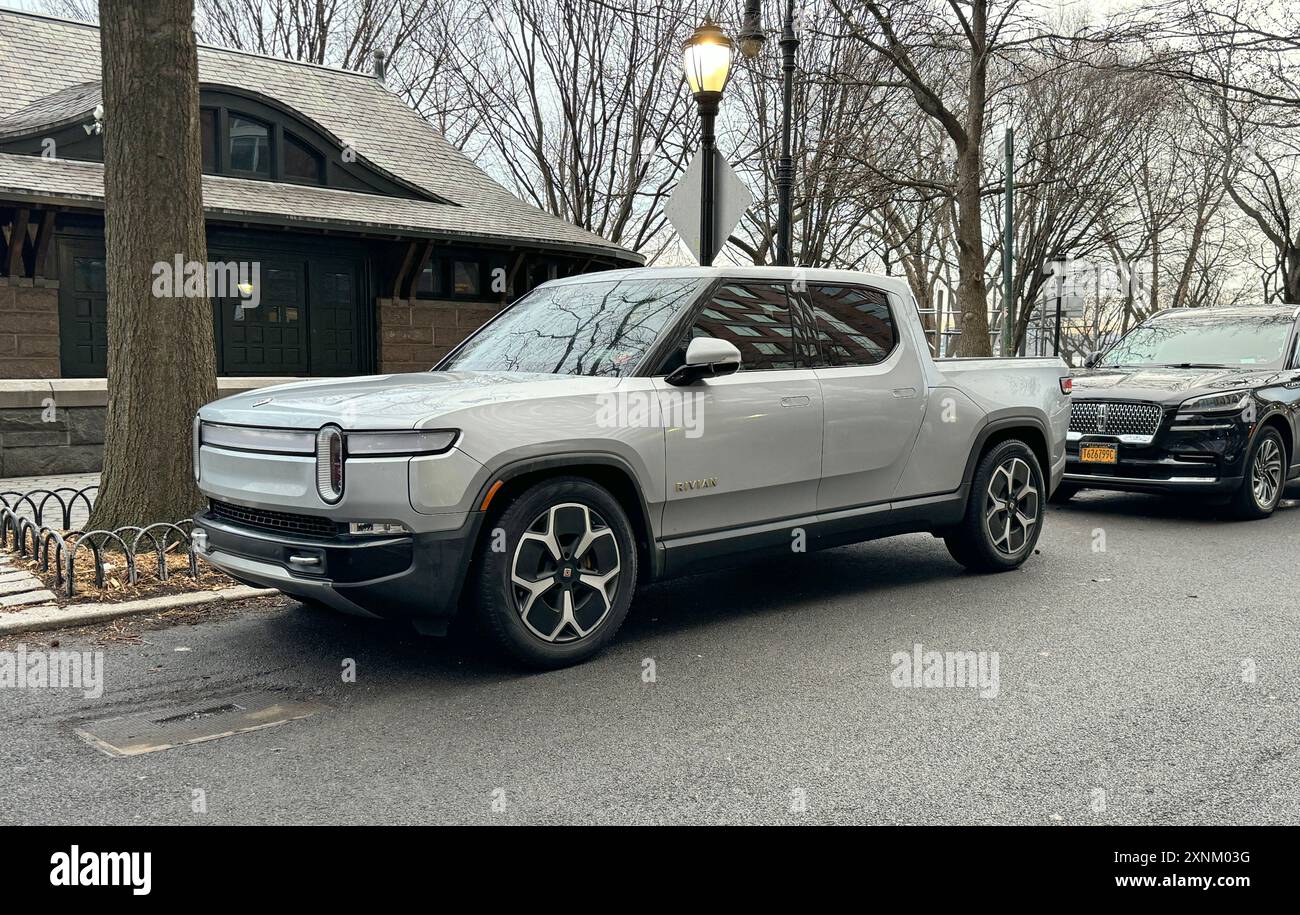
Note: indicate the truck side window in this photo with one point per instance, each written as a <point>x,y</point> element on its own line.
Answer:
<point>756,317</point>
<point>853,324</point>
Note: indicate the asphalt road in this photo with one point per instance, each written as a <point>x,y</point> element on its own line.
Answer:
<point>1121,699</point>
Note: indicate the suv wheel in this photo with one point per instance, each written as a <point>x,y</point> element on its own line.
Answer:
<point>1004,513</point>
<point>1265,478</point>
<point>561,587</point>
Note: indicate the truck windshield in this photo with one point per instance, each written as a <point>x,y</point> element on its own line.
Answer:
<point>1208,339</point>
<point>588,328</point>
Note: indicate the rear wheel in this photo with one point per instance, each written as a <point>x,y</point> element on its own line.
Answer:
<point>1004,512</point>
<point>561,587</point>
<point>1265,477</point>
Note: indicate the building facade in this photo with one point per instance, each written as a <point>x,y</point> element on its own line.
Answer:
<point>371,243</point>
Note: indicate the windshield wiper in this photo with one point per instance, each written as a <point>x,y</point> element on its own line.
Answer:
<point>1193,365</point>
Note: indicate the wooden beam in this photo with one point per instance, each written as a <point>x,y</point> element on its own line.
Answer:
<point>41,250</point>
<point>510,280</point>
<point>408,284</point>
<point>17,238</point>
<point>400,278</point>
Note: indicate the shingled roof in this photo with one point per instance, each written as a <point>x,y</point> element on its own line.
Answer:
<point>50,70</point>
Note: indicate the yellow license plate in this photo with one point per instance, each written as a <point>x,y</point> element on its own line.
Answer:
<point>1099,454</point>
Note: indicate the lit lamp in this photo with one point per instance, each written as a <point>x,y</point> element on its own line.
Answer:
<point>707,60</point>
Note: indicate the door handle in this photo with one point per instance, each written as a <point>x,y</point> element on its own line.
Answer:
<point>904,392</point>
<point>802,400</point>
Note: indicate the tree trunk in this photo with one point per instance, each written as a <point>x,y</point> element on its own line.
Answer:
<point>972,291</point>
<point>161,365</point>
<point>972,288</point>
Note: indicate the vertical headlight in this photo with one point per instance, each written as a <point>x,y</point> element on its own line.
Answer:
<point>197,443</point>
<point>329,463</point>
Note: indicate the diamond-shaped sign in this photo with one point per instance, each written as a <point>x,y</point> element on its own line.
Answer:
<point>731,200</point>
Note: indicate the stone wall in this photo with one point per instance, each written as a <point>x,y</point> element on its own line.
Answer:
<point>416,333</point>
<point>57,426</point>
<point>29,328</point>
<point>36,441</point>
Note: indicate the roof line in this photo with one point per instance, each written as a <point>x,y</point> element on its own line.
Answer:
<point>207,47</point>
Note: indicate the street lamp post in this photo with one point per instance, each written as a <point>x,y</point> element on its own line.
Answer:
<point>707,58</point>
<point>751,42</point>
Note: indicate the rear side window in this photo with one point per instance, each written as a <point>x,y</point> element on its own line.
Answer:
<point>757,318</point>
<point>854,324</point>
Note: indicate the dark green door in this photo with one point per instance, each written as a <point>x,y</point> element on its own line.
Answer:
<point>305,321</point>
<point>267,334</point>
<point>333,317</point>
<point>83,309</point>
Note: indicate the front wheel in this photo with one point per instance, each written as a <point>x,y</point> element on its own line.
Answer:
<point>1265,478</point>
<point>560,581</point>
<point>1004,512</point>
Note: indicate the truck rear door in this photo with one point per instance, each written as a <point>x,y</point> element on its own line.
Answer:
<point>873,392</point>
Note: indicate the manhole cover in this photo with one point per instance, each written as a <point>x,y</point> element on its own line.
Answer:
<point>162,729</point>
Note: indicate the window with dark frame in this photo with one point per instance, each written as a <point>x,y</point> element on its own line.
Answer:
<point>208,139</point>
<point>757,318</point>
<point>249,145</point>
<point>301,162</point>
<point>854,324</point>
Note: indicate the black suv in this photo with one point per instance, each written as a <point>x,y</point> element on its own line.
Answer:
<point>1202,400</point>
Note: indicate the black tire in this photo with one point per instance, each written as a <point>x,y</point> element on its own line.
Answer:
<point>1246,502</point>
<point>971,543</point>
<point>1064,493</point>
<point>501,603</point>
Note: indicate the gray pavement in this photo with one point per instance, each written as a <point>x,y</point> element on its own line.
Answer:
<point>1126,654</point>
<point>38,490</point>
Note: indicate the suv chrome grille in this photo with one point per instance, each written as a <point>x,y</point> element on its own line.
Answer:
<point>1114,417</point>
<point>281,522</point>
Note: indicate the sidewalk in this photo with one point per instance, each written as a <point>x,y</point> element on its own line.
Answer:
<point>53,514</point>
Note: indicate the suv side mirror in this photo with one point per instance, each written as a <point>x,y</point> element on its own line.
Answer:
<point>706,357</point>
<point>1093,359</point>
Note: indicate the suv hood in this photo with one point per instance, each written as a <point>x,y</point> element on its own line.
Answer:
<point>1169,386</point>
<point>389,401</point>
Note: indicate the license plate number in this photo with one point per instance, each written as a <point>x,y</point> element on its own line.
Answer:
<point>1099,454</point>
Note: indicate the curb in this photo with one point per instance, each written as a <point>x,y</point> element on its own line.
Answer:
<point>40,618</point>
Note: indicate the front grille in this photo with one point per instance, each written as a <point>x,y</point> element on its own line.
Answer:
<point>281,522</point>
<point>1114,417</point>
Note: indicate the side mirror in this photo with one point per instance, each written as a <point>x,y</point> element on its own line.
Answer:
<point>1093,359</point>
<point>706,357</point>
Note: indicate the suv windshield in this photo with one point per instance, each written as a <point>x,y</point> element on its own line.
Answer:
<point>589,328</point>
<point>1205,340</point>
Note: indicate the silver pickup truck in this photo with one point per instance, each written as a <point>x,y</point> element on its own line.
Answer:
<point>621,427</point>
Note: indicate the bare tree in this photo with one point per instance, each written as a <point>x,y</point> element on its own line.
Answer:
<point>942,53</point>
<point>161,363</point>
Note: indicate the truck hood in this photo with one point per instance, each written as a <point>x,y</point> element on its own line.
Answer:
<point>389,401</point>
<point>1169,386</point>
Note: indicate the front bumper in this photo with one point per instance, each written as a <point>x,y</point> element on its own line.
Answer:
<point>1194,456</point>
<point>415,577</point>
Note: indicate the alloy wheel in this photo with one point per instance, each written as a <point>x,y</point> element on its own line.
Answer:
<point>1266,473</point>
<point>1012,506</point>
<point>565,573</point>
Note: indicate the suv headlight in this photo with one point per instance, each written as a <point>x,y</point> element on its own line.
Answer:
<point>1227,402</point>
<point>196,444</point>
<point>371,444</point>
<point>329,463</point>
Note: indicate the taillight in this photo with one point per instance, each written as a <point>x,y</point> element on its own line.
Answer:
<point>329,463</point>
<point>1067,385</point>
